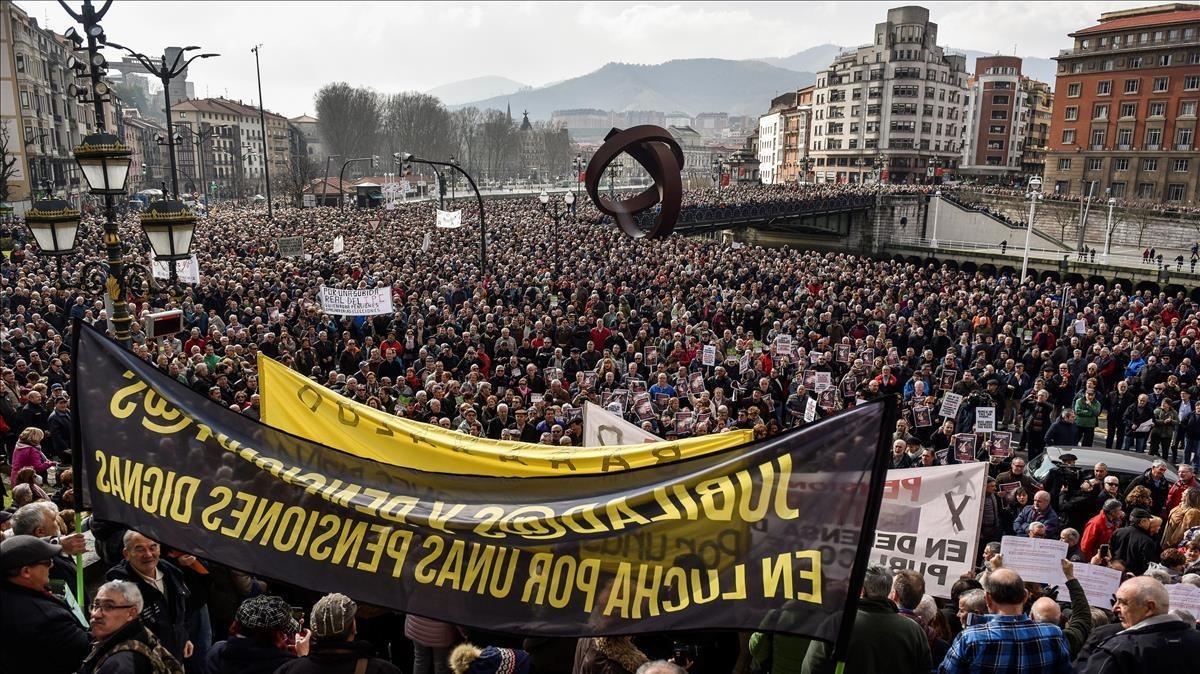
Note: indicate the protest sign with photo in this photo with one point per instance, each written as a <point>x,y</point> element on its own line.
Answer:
<point>922,416</point>
<point>708,356</point>
<point>964,447</point>
<point>823,381</point>
<point>947,380</point>
<point>1000,445</point>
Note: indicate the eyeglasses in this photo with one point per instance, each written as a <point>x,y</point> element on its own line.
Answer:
<point>105,607</point>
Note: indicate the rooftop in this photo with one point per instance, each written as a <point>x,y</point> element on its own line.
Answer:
<point>1145,17</point>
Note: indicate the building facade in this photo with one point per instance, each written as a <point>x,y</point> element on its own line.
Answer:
<point>770,145</point>
<point>1124,120</point>
<point>310,128</point>
<point>236,147</point>
<point>148,167</point>
<point>996,122</point>
<point>1041,107</point>
<point>898,101</point>
<point>41,122</point>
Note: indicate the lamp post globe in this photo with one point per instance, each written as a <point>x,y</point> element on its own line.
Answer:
<point>53,223</point>
<point>104,161</point>
<point>544,198</point>
<point>169,227</point>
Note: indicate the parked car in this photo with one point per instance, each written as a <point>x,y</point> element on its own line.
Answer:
<point>1125,465</point>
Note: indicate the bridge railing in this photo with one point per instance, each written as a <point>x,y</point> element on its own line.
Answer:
<point>705,215</point>
<point>1011,251</point>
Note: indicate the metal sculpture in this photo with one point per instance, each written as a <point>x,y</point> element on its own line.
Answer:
<point>658,153</point>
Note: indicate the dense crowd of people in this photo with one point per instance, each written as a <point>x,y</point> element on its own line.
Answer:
<point>515,350</point>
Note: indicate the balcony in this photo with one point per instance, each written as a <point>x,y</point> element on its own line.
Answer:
<point>1153,147</point>
<point>1183,147</point>
<point>1124,146</point>
<point>1096,147</point>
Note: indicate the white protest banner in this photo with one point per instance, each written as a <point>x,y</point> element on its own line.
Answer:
<point>290,246</point>
<point>602,428</point>
<point>823,381</point>
<point>355,302</point>
<point>929,521</point>
<point>1099,583</point>
<point>709,355</point>
<point>985,419</point>
<point>810,410</point>
<point>1038,560</point>
<point>426,242</point>
<point>339,245</point>
<point>186,271</point>
<point>449,219</point>
<point>950,405</point>
<point>1185,596</point>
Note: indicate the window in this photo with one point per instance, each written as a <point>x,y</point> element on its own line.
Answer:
<point>1072,113</point>
<point>1107,65</point>
<point>1064,164</point>
<point>1100,111</point>
<point>1104,87</point>
<point>999,114</point>
<point>1153,139</point>
<point>25,99</point>
<point>1191,82</point>
<point>1068,136</point>
<point>1150,164</point>
<point>1131,86</point>
<point>1124,138</point>
<point>1121,164</point>
<point>1073,89</point>
<point>1062,186</point>
<point>1183,138</point>
<point>1145,191</point>
<point>1095,163</point>
<point>999,100</point>
<point>1135,61</point>
<point>1157,108</point>
<point>1098,138</point>
<point>996,129</point>
<point>1194,58</point>
<point>1129,109</point>
<point>1118,189</point>
<point>1187,108</point>
<point>20,63</point>
<point>1175,191</point>
<point>1161,83</point>
<point>1164,60</point>
<point>1180,166</point>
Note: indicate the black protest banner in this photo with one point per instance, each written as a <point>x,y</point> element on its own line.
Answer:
<point>729,540</point>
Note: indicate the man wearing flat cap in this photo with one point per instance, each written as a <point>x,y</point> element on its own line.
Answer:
<point>38,632</point>
<point>335,650</point>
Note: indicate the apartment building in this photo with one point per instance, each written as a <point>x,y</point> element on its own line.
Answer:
<point>890,110</point>
<point>999,125</point>
<point>234,156</point>
<point>41,122</point>
<point>783,137</point>
<point>1124,120</point>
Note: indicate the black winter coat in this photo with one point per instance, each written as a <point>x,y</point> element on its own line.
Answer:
<point>38,633</point>
<point>165,616</point>
<point>1136,547</point>
<point>1169,646</point>
<point>338,657</point>
<point>243,655</point>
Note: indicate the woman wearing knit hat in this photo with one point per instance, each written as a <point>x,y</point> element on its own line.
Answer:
<point>334,648</point>
<point>471,659</point>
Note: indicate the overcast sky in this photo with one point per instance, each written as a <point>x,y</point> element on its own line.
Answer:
<point>397,46</point>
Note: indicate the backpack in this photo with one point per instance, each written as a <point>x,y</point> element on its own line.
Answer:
<point>161,660</point>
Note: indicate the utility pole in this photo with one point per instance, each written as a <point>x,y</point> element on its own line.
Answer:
<point>262,126</point>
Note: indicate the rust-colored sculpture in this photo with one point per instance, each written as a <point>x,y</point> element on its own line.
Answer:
<point>657,152</point>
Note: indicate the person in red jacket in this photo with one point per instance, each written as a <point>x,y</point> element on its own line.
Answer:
<point>1187,480</point>
<point>1099,529</point>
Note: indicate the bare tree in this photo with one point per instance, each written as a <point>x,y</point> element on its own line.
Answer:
<point>417,123</point>
<point>295,176</point>
<point>1141,218</point>
<point>8,163</point>
<point>500,145</point>
<point>1063,214</point>
<point>349,119</point>
<point>465,126</point>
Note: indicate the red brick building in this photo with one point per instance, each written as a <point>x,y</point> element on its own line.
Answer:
<point>1125,112</point>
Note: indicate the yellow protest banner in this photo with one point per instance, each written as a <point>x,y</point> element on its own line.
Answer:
<point>297,405</point>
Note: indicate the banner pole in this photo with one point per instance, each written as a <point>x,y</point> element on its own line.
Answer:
<point>866,541</point>
<point>76,454</point>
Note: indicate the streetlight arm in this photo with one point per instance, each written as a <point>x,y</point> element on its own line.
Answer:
<point>479,198</point>
<point>175,72</point>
